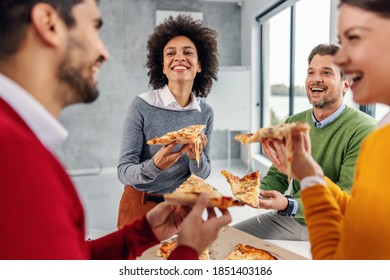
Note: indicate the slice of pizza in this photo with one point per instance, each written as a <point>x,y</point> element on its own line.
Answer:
<point>281,131</point>
<point>247,252</point>
<point>166,249</point>
<point>246,189</point>
<point>188,135</point>
<point>188,192</point>
<point>278,131</point>
<point>244,138</point>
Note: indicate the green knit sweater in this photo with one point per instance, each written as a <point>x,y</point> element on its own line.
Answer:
<point>335,147</point>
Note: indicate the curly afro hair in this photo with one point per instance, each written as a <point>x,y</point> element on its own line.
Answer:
<point>205,40</point>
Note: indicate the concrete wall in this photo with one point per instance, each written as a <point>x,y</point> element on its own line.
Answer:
<point>95,129</point>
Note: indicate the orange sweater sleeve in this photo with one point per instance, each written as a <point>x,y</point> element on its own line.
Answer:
<point>323,219</point>
<point>355,226</point>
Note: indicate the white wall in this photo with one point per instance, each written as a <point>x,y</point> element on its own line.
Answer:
<point>249,11</point>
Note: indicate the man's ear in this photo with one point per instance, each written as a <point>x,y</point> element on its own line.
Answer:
<point>347,84</point>
<point>47,23</point>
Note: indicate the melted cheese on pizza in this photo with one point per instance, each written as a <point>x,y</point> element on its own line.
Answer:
<point>247,252</point>
<point>188,135</point>
<point>166,249</point>
<point>188,192</point>
<point>246,189</point>
<point>195,184</point>
<point>281,131</point>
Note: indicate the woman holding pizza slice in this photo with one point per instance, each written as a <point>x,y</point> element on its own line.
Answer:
<point>343,226</point>
<point>183,62</point>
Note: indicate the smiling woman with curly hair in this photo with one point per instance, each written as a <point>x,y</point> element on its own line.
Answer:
<point>204,39</point>
<point>183,63</point>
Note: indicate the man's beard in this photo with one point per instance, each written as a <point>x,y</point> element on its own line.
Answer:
<point>319,104</point>
<point>84,90</point>
<point>323,103</point>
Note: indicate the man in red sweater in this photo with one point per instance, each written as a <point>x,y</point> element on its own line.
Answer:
<point>50,56</point>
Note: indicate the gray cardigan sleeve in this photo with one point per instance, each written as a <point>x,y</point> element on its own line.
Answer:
<point>131,171</point>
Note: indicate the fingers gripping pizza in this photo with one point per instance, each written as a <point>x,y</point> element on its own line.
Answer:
<point>166,249</point>
<point>188,192</point>
<point>281,131</point>
<point>246,252</point>
<point>246,189</point>
<point>188,135</point>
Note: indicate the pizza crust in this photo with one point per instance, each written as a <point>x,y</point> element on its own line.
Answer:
<point>166,249</point>
<point>188,135</point>
<point>188,192</point>
<point>281,131</point>
<point>245,189</point>
<point>190,198</point>
<point>247,252</point>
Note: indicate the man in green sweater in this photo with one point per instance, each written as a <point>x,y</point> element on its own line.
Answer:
<point>336,132</point>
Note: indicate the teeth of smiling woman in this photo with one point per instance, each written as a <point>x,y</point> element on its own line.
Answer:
<point>179,68</point>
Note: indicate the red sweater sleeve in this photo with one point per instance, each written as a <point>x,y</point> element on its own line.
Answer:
<point>127,243</point>
<point>184,253</point>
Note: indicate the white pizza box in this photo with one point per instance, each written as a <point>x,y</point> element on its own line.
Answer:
<point>226,243</point>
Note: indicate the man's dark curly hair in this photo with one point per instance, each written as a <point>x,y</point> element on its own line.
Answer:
<point>205,41</point>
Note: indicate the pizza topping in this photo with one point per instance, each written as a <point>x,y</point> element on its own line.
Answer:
<point>188,192</point>
<point>188,135</point>
<point>246,189</point>
<point>281,131</point>
<point>195,184</point>
<point>247,252</point>
<point>166,249</point>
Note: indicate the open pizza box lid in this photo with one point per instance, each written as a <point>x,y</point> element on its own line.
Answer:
<point>226,243</point>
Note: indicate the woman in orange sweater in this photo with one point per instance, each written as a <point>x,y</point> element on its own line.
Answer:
<point>355,226</point>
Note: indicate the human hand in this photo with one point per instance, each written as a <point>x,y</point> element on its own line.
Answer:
<point>191,151</point>
<point>165,219</point>
<point>272,200</point>
<point>269,149</point>
<point>197,233</point>
<point>165,157</point>
<point>302,164</point>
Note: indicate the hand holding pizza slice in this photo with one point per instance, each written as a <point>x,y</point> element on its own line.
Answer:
<point>300,164</point>
<point>188,192</point>
<point>274,135</point>
<point>192,134</point>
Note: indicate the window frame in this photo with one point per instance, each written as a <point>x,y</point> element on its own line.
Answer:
<point>262,20</point>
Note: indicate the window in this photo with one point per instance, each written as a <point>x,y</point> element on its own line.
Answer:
<point>278,68</point>
<point>312,28</point>
<point>289,31</point>
<point>287,39</point>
